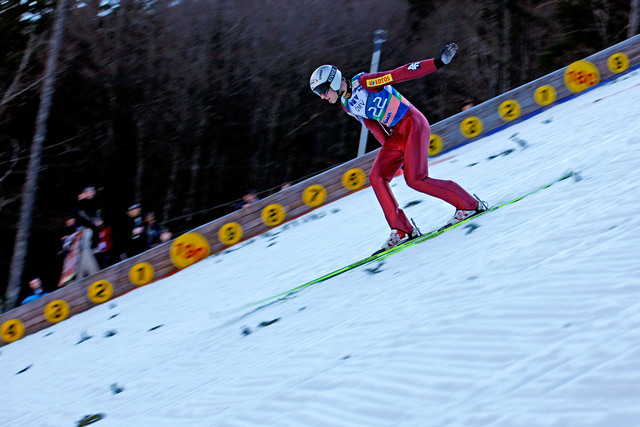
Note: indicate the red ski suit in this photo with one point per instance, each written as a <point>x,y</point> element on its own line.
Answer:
<point>405,143</point>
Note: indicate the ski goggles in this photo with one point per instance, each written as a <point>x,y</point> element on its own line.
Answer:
<point>322,88</point>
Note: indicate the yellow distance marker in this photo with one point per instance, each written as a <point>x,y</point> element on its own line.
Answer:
<point>353,179</point>
<point>230,233</point>
<point>471,127</point>
<point>314,195</point>
<point>56,311</point>
<point>545,95</point>
<point>581,75</point>
<point>189,249</point>
<point>618,62</point>
<point>273,214</point>
<point>435,144</point>
<point>100,291</point>
<point>141,273</point>
<point>11,330</point>
<point>509,110</point>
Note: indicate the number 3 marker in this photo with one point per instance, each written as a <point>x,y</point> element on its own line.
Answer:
<point>618,62</point>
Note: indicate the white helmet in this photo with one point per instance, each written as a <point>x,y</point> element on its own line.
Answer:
<point>325,77</point>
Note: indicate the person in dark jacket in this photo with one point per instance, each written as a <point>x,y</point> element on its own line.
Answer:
<point>88,213</point>
<point>154,232</point>
<point>137,242</point>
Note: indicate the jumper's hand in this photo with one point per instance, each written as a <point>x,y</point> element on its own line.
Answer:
<point>448,52</point>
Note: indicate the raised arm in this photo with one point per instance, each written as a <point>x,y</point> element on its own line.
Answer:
<point>376,81</point>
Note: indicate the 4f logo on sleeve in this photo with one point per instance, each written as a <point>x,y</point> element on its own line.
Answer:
<point>414,66</point>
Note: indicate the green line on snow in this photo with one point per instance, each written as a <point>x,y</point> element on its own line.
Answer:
<point>283,296</point>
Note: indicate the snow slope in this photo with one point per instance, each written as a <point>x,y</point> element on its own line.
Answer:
<point>530,316</point>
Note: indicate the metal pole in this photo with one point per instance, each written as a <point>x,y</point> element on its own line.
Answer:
<point>379,37</point>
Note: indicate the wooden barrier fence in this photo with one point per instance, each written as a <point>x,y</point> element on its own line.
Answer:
<point>303,197</point>
<point>534,96</point>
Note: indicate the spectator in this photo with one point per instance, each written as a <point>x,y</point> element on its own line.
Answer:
<point>154,232</point>
<point>135,228</point>
<point>68,229</point>
<point>104,250</point>
<point>248,199</point>
<point>36,291</point>
<point>467,104</point>
<point>88,212</point>
<point>69,253</point>
<point>79,260</point>
<point>87,264</point>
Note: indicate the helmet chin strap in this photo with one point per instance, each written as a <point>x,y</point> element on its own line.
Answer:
<point>347,92</point>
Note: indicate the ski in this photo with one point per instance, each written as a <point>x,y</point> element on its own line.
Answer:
<point>285,295</point>
<point>430,235</point>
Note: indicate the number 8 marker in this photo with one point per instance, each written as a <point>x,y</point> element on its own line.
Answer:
<point>230,233</point>
<point>353,179</point>
<point>273,214</point>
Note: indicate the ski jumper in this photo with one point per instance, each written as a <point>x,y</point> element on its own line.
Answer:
<point>379,107</point>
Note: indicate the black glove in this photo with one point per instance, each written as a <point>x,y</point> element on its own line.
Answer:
<point>446,55</point>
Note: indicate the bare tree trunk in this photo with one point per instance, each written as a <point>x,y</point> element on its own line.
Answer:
<point>194,199</point>
<point>173,175</point>
<point>139,163</point>
<point>506,48</point>
<point>190,206</point>
<point>15,155</point>
<point>12,91</point>
<point>633,18</point>
<point>30,188</point>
